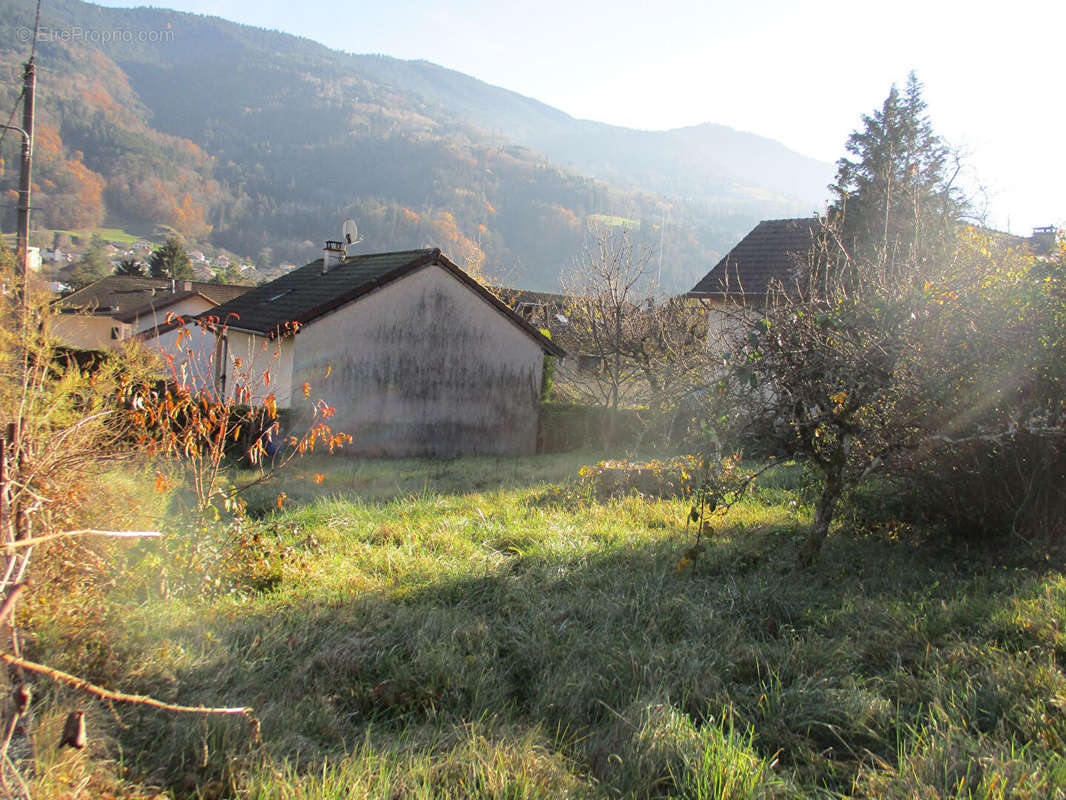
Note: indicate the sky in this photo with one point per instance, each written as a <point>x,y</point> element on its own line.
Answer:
<point>803,73</point>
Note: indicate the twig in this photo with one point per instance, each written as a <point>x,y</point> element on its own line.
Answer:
<point>108,694</point>
<point>82,532</point>
<point>9,602</point>
<point>18,776</point>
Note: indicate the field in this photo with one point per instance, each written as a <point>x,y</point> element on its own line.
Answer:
<point>117,235</point>
<point>615,221</point>
<point>481,629</point>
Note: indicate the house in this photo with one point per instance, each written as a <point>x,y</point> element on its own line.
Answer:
<point>772,257</point>
<point>414,356</point>
<point>115,308</point>
<point>551,312</point>
<point>110,311</point>
<point>33,258</point>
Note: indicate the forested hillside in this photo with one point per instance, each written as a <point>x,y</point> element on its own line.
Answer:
<point>252,139</point>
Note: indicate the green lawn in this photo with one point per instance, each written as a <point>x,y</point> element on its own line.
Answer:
<point>615,221</point>
<point>458,629</point>
<point>117,235</point>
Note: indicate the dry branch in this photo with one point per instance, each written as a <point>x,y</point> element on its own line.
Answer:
<point>122,697</point>
<point>81,532</point>
<point>9,601</point>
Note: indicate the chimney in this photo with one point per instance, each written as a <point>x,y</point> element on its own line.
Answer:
<point>332,255</point>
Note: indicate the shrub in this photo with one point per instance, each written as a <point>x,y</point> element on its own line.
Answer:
<point>990,364</point>
<point>674,477</point>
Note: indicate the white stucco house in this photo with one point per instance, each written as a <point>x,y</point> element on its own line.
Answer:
<point>110,312</point>
<point>412,354</point>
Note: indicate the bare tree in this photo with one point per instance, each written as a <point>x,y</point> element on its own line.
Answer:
<point>647,347</point>
<point>603,294</point>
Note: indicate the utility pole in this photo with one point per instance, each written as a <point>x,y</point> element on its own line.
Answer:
<point>22,248</point>
<point>29,80</point>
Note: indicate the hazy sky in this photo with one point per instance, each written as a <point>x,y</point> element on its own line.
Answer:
<point>802,73</point>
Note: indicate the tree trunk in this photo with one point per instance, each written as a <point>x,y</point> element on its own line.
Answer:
<point>823,516</point>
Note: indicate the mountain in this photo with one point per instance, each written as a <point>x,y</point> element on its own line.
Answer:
<point>261,143</point>
<point>708,162</point>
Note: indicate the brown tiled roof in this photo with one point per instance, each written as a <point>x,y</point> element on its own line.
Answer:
<point>771,254</point>
<point>128,297</point>
<point>305,294</point>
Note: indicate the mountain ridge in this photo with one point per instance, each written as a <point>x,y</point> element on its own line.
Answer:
<point>261,142</point>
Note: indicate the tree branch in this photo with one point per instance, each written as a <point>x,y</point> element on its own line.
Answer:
<point>9,601</point>
<point>107,694</point>
<point>81,532</point>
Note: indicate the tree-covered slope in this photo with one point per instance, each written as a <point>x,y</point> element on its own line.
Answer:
<point>257,140</point>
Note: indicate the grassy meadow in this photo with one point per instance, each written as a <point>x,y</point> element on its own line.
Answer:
<point>476,629</point>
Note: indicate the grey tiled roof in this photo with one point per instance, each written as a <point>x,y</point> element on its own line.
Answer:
<point>125,296</point>
<point>305,294</point>
<point>772,253</point>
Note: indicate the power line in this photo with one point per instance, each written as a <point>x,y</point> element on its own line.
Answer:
<point>36,28</point>
<point>11,116</point>
<point>33,53</point>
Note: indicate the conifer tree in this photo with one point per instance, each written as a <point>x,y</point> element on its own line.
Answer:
<point>170,260</point>
<point>92,266</point>
<point>130,267</point>
<point>894,199</point>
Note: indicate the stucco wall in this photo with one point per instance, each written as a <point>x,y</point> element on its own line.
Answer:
<point>89,332</point>
<point>93,331</point>
<point>190,362</point>
<point>423,366</point>
<point>187,308</point>
<point>724,319</point>
<point>187,353</point>
<point>265,366</point>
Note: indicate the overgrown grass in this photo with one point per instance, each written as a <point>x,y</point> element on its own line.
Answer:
<point>459,629</point>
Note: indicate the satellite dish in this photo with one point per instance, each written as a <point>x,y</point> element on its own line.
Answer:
<point>349,233</point>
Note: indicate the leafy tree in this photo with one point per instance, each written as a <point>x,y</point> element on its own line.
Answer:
<point>817,376</point>
<point>131,267</point>
<point>92,266</point>
<point>895,201</point>
<point>170,260</point>
<point>991,365</point>
<point>828,372</point>
<point>7,261</point>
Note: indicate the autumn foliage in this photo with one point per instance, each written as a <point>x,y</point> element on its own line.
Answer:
<point>194,423</point>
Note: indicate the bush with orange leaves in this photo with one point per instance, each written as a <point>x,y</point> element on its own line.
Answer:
<point>196,425</point>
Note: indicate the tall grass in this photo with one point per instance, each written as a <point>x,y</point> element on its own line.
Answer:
<point>461,630</point>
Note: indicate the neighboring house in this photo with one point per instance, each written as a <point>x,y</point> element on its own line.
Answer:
<point>551,312</point>
<point>772,257</point>
<point>110,311</point>
<point>413,354</point>
<point>1043,240</point>
<point>33,258</point>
